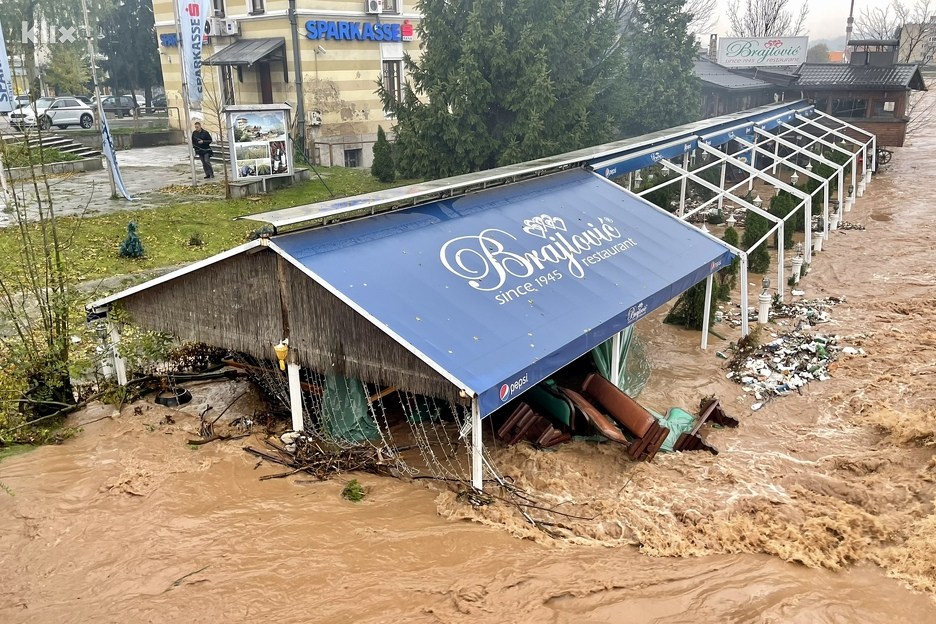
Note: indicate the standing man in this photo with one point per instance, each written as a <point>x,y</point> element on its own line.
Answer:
<point>201,142</point>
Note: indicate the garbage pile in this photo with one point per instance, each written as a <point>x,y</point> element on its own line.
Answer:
<point>848,225</point>
<point>789,360</point>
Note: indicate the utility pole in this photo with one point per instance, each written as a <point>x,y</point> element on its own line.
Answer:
<point>186,106</point>
<point>848,31</point>
<point>97,90</point>
<point>297,63</point>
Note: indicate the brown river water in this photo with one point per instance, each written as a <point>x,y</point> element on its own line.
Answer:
<point>820,507</point>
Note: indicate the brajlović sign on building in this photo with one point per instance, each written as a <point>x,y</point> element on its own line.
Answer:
<point>763,52</point>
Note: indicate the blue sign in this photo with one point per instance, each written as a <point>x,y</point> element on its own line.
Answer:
<point>353,31</point>
<point>503,287</point>
<point>169,40</point>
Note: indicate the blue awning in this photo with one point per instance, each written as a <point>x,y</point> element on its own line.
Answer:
<point>499,289</point>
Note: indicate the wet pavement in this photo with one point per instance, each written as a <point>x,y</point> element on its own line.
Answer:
<point>144,171</point>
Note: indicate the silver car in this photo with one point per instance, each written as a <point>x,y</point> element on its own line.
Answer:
<point>59,112</point>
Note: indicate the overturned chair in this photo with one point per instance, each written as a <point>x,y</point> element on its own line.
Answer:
<point>619,408</point>
<point>545,418</point>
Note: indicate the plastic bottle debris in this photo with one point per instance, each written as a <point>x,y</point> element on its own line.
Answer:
<point>797,293</point>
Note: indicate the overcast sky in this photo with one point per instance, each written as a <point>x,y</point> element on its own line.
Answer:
<point>827,18</point>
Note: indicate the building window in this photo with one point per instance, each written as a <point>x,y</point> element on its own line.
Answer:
<point>353,158</point>
<point>227,84</point>
<point>393,79</point>
<point>850,108</point>
<point>882,108</point>
<point>218,6</point>
<point>391,6</point>
<point>256,7</point>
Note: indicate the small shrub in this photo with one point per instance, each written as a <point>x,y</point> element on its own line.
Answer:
<point>196,239</point>
<point>132,246</point>
<point>383,168</point>
<point>353,491</point>
<point>264,231</point>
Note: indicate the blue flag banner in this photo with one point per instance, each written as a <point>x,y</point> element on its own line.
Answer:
<point>110,153</point>
<point>6,78</point>
<point>192,16</point>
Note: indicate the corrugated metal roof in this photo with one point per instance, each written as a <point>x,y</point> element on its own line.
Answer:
<point>836,76</point>
<point>723,78</point>
<point>246,51</point>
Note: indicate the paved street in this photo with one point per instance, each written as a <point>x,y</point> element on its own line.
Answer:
<point>144,172</point>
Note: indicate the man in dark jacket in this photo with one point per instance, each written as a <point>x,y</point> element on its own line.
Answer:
<point>201,142</point>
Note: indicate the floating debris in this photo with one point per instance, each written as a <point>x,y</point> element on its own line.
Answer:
<point>790,359</point>
<point>805,312</point>
<point>847,225</point>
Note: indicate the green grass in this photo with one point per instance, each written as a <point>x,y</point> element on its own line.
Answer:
<point>16,449</point>
<point>166,231</point>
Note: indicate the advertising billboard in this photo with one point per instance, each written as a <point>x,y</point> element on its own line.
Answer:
<point>260,145</point>
<point>762,52</point>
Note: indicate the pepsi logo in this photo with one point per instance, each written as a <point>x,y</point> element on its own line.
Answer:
<point>504,392</point>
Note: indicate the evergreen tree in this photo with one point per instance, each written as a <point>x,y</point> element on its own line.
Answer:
<point>132,246</point>
<point>661,90</point>
<point>383,168</point>
<point>130,48</point>
<point>728,277</point>
<point>755,227</point>
<point>68,71</point>
<point>499,83</point>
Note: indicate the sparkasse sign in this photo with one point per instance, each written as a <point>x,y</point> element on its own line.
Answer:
<point>762,52</point>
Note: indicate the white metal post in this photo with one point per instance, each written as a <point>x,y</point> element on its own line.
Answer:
<point>707,310</point>
<point>295,396</point>
<point>616,358</point>
<point>120,365</point>
<point>721,185</point>
<point>477,447</point>
<point>781,261</point>
<point>745,327</point>
<point>685,182</point>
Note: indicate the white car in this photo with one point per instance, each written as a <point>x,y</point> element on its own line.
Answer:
<point>59,112</point>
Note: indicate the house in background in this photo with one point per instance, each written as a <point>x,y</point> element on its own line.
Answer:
<point>724,91</point>
<point>871,91</point>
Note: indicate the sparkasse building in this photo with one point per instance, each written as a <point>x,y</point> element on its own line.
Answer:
<point>345,47</point>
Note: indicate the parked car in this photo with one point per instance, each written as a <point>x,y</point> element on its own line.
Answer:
<point>87,100</point>
<point>47,112</point>
<point>119,104</point>
<point>159,101</point>
<point>18,100</point>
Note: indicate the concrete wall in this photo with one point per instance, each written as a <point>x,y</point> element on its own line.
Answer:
<point>340,84</point>
<point>72,166</point>
<point>128,141</point>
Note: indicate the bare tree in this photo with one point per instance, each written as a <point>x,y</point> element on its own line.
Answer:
<point>912,24</point>
<point>766,18</point>
<point>703,14</point>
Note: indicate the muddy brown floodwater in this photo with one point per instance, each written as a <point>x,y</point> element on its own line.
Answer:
<point>819,508</point>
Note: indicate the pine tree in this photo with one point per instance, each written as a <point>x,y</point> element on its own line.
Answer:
<point>383,168</point>
<point>661,90</point>
<point>755,227</point>
<point>503,82</point>
<point>132,246</point>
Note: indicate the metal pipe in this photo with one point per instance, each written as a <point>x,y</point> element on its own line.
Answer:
<point>297,63</point>
<point>97,89</point>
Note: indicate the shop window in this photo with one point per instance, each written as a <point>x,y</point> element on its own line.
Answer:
<point>393,79</point>
<point>391,6</point>
<point>846,108</point>
<point>353,158</point>
<point>218,6</point>
<point>256,7</point>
